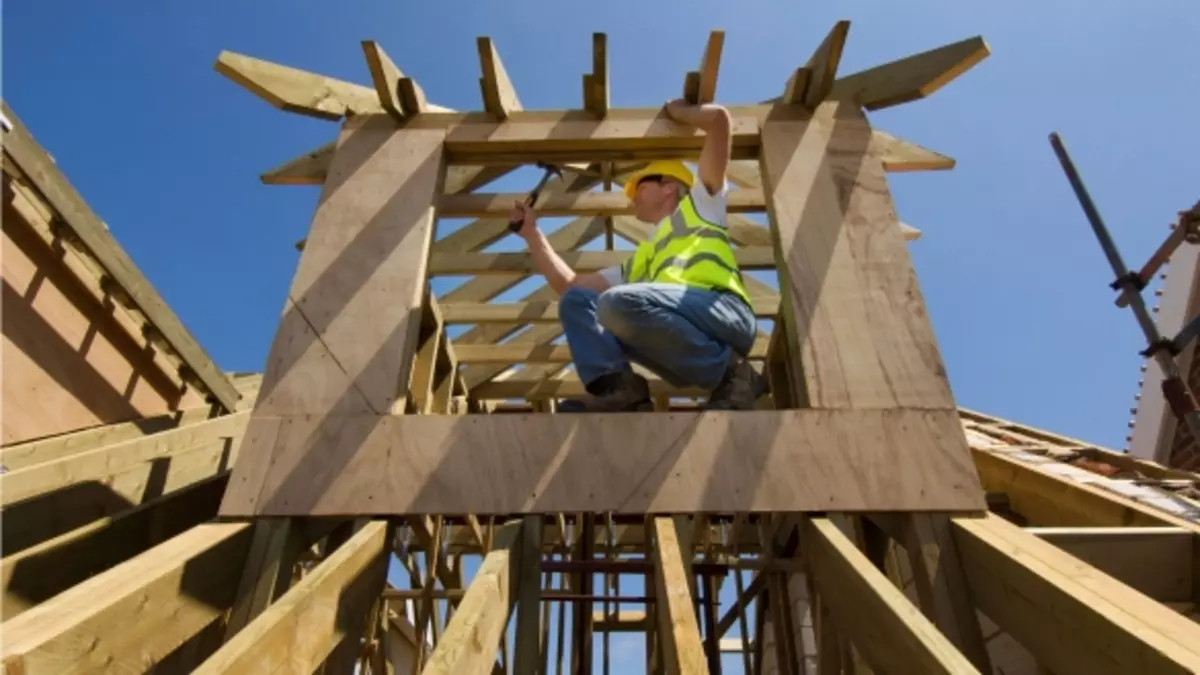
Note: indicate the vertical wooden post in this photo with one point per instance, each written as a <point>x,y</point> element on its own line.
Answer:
<point>856,333</point>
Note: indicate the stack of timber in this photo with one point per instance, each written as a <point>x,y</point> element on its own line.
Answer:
<point>335,522</point>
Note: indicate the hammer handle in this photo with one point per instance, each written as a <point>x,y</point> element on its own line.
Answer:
<point>514,226</point>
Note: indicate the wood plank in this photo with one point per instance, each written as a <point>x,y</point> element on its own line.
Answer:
<point>871,612</point>
<point>678,631</point>
<point>348,332</point>
<point>52,184</point>
<point>1156,561</point>
<point>595,84</point>
<point>38,573</point>
<point>529,610</point>
<point>913,77</point>
<point>493,205</point>
<point>134,615</point>
<point>1070,616</point>
<point>454,264</point>
<point>386,78</point>
<point>855,321</point>
<point>499,96</point>
<point>823,64</point>
<point>899,155</point>
<point>648,463</point>
<point>299,630</point>
<point>544,311</point>
<point>311,168</point>
<point>297,91</point>
<point>524,386</point>
<point>471,639</point>
<point>710,66</point>
<point>527,352</point>
<point>104,463</point>
<point>561,136</point>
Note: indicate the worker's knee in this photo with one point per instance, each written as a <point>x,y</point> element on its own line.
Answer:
<point>615,308</point>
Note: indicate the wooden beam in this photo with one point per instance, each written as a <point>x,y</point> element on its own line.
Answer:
<point>870,611</point>
<point>857,339</point>
<point>134,615</point>
<point>101,464</point>
<point>586,463</point>
<point>1070,616</point>
<point>566,387</point>
<point>527,352</point>
<point>499,96</point>
<point>1156,561</point>
<point>492,205</point>
<point>822,65</point>
<point>700,86</point>
<point>44,175</point>
<point>386,78</point>
<point>309,168</point>
<point>471,639</point>
<point>38,573</point>
<point>301,628</point>
<point>454,264</point>
<point>544,311</point>
<point>899,155</point>
<point>913,77</point>
<point>678,631</point>
<point>412,98</point>
<point>595,84</point>
<point>562,136</point>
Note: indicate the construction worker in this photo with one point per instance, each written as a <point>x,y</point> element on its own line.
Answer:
<point>678,306</point>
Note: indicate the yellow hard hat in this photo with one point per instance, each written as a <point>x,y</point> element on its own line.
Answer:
<point>671,168</point>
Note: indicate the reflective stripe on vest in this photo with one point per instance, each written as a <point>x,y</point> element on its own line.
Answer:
<point>686,249</point>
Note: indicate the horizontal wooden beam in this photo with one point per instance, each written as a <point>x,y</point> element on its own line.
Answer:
<point>566,387</point>
<point>104,463</point>
<point>131,617</point>
<point>472,638</point>
<point>43,174</point>
<point>299,91</point>
<point>38,573</point>
<point>524,352</point>
<point>870,611</point>
<point>1157,561</point>
<point>911,78</point>
<point>491,205</point>
<point>301,628</point>
<point>444,264</point>
<point>560,136</point>
<point>1070,616</point>
<point>714,461</point>
<point>900,155</point>
<point>544,312</point>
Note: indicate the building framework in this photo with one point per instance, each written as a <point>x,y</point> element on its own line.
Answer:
<point>867,523</point>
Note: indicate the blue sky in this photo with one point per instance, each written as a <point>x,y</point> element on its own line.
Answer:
<point>168,152</point>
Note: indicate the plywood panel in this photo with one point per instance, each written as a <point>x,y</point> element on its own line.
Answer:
<point>68,363</point>
<point>798,460</point>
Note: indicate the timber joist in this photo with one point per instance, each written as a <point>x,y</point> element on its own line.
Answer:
<point>862,521</point>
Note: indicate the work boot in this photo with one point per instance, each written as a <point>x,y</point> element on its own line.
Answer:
<point>739,388</point>
<point>620,392</point>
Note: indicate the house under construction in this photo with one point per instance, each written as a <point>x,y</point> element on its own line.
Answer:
<point>161,515</point>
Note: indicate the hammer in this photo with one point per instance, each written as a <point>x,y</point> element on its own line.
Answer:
<point>550,170</point>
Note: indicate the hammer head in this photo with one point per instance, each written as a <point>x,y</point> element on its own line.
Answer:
<point>550,169</point>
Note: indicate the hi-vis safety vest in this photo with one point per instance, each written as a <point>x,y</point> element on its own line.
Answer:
<point>686,249</point>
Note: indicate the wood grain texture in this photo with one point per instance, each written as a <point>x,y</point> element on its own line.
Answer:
<point>1071,616</point>
<point>134,615</point>
<point>629,463</point>
<point>52,184</point>
<point>1156,561</point>
<point>299,630</point>
<point>870,611</point>
<point>473,636</point>
<point>913,77</point>
<point>346,338</point>
<point>678,630</point>
<point>856,321</point>
<point>386,78</point>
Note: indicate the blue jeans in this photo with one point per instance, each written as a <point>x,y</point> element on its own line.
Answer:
<point>683,334</point>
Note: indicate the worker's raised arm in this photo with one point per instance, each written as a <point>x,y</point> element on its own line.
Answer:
<point>715,122</point>
<point>558,274</point>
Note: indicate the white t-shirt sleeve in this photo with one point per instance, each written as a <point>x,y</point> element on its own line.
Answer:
<point>710,207</point>
<point>612,275</point>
